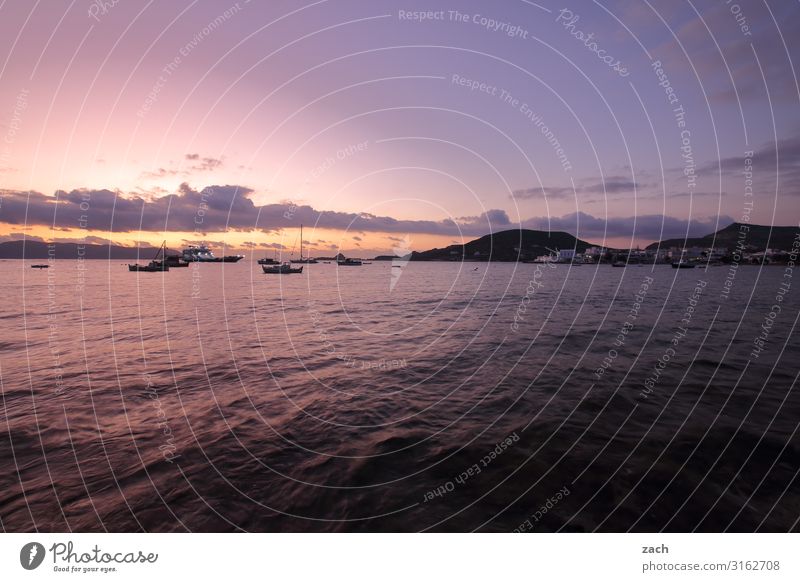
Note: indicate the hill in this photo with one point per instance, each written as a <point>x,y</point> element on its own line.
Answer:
<point>28,249</point>
<point>758,238</point>
<point>507,245</point>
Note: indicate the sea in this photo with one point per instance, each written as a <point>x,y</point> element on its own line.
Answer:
<point>421,396</point>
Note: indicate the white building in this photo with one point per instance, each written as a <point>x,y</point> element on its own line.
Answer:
<point>566,255</point>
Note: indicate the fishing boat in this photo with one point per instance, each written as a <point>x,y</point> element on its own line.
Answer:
<point>202,254</point>
<point>303,260</point>
<point>268,261</point>
<point>683,265</point>
<point>40,266</point>
<point>155,265</point>
<point>349,262</point>
<point>282,269</point>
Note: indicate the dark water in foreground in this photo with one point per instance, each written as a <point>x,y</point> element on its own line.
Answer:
<point>325,402</point>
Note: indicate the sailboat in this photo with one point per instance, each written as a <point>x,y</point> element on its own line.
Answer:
<point>155,265</point>
<point>303,260</point>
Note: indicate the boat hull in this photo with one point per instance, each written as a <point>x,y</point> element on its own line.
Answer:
<point>148,268</point>
<point>280,269</point>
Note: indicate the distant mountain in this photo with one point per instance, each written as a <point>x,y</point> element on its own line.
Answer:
<point>28,249</point>
<point>758,237</point>
<point>507,245</point>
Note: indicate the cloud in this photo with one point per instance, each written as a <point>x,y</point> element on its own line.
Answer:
<point>773,160</point>
<point>608,185</point>
<point>726,63</point>
<point>613,184</point>
<point>199,165</point>
<point>159,173</point>
<point>229,207</point>
<point>538,192</point>
<point>204,164</point>
<point>213,209</point>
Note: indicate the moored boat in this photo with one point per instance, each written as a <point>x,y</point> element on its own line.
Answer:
<point>151,267</point>
<point>349,262</point>
<point>175,261</point>
<point>282,269</point>
<point>155,265</point>
<point>303,260</point>
<point>202,254</point>
<point>683,265</point>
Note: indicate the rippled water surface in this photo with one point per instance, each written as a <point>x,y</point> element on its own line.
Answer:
<point>439,396</point>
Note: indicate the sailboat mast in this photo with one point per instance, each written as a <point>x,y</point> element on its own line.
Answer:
<point>162,247</point>
<point>301,242</point>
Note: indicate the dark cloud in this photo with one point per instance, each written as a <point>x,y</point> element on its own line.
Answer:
<point>607,185</point>
<point>221,208</point>
<point>214,209</point>
<point>727,64</point>
<point>613,185</point>
<point>775,160</point>
<point>540,192</point>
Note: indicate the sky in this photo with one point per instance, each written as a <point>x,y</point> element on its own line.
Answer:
<point>394,125</point>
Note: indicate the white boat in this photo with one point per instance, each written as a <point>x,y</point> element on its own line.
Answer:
<point>202,254</point>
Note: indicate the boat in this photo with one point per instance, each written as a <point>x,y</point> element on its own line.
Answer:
<point>282,269</point>
<point>349,262</point>
<point>303,260</point>
<point>268,261</point>
<point>202,254</point>
<point>618,264</point>
<point>155,265</point>
<point>683,265</point>
<point>175,261</point>
<point>40,266</point>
